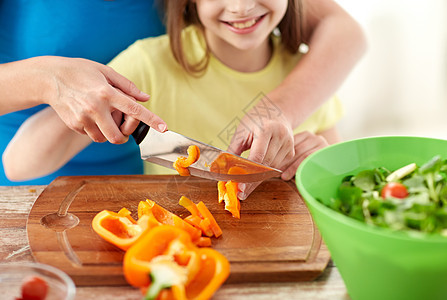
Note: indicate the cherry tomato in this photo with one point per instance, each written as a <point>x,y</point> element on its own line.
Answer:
<point>34,288</point>
<point>395,190</point>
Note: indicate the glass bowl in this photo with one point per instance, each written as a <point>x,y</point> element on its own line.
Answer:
<point>12,276</point>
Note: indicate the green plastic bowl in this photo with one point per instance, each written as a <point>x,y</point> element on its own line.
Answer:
<point>375,263</point>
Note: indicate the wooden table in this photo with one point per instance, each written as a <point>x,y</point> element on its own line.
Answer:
<point>15,205</point>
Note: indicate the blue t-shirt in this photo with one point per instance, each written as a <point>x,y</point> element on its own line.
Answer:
<point>92,29</point>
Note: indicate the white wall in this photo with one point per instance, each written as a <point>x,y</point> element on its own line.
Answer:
<point>399,87</point>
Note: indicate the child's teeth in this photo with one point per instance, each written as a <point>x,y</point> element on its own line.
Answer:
<point>244,24</point>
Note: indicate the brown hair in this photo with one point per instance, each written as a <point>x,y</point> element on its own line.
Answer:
<point>182,13</point>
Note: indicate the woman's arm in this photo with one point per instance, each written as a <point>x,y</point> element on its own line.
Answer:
<point>304,143</point>
<point>82,92</point>
<point>41,146</point>
<point>336,44</point>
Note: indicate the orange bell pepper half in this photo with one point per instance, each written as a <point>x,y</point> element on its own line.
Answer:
<point>214,270</point>
<point>167,262</point>
<point>163,216</point>
<point>120,229</point>
<point>182,163</point>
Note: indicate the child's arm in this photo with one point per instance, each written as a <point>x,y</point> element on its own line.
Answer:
<point>41,146</point>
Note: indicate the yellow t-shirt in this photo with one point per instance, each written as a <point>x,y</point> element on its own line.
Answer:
<point>208,108</point>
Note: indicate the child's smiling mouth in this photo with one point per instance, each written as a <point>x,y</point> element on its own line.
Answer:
<point>245,24</point>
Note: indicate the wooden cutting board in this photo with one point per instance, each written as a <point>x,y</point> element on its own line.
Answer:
<point>274,240</point>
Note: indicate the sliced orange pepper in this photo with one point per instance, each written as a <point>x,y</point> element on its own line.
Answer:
<point>182,171</point>
<point>193,155</point>
<point>165,259</point>
<point>221,190</point>
<point>207,223</point>
<point>182,163</point>
<point>166,217</point>
<point>193,220</point>
<point>202,224</point>
<point>120,229</point>
<point>225,161</point>
<point>232,203</point>
<point>227,192</point>
<point>237,170</point>
<point>190,206</point>
<point>207,214</point>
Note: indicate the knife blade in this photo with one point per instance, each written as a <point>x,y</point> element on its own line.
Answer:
<point>213,163</point>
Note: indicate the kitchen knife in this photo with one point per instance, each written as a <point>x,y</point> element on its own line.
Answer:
<point>164,149</point>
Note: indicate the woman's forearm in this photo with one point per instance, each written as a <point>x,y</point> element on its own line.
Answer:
<point>82,92</point>
<point>336,44</point>
<point>23,84</point>
<point>41,146</point>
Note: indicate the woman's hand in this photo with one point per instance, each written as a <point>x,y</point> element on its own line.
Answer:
<point>89,97</point>
<point>304,144</point>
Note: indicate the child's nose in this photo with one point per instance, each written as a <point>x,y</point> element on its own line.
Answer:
<point>241,7</point>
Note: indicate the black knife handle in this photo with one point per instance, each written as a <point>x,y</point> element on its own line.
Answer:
<point>140,132</point>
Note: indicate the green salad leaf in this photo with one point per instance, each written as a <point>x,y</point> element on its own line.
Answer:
<point>412,198</point>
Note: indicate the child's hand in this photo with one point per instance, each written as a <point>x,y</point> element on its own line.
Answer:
<point>305,143</point>
<point>269,138</point>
